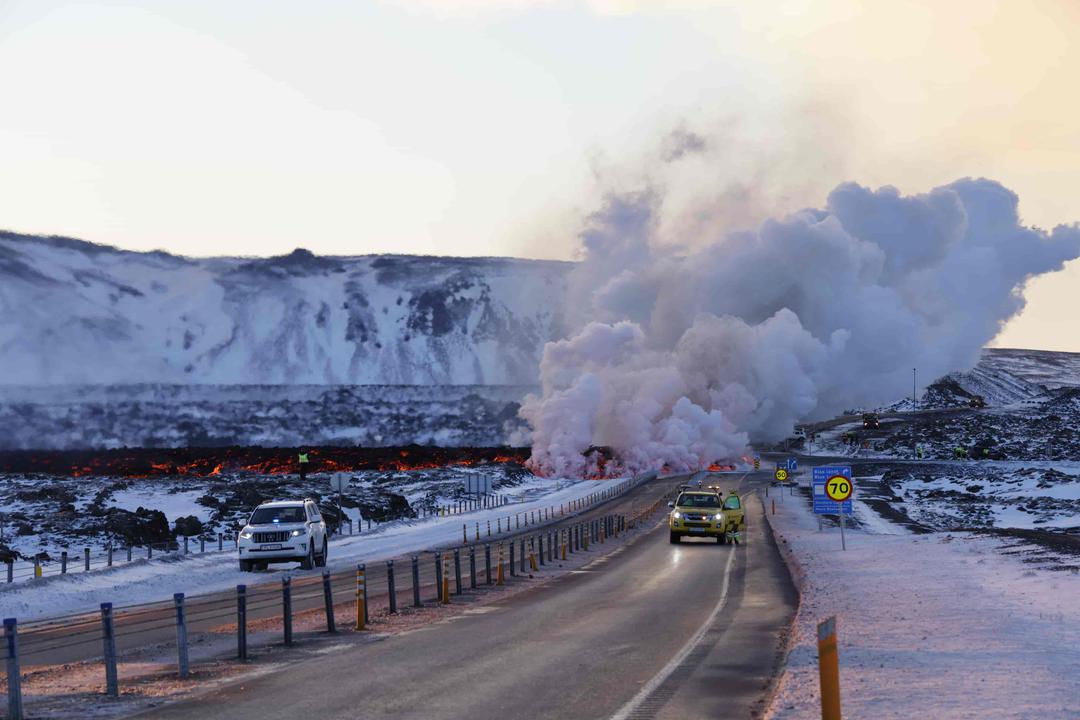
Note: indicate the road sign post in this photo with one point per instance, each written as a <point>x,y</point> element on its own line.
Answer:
<point>832,493</point>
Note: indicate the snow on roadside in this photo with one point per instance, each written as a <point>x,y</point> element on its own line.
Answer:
<point>157,579</point>
<point>939,625</point>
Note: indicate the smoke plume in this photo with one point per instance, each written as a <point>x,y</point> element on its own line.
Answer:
<point>681,357</point>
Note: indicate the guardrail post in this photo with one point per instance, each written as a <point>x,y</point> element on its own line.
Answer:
<point>220,540</point>
<point>513,567</point>
<point>361,600</point>
<point>181,636</point>
<point>540,543</point>
<point>286,608</point>
<point>457,571</point>
<point>499,579</point>
<point>108,555</point>
<point>472,567</point>
<point>129,553</point>
<point>328,598</point>
<point>86,559</point>
<point>363,568</point>
<point>523,571</point>
<point>63,562</point>
<point>202,545</point>
<point>14,691</point>
<point>108,636</point>
<point>149,550</point>
<point>487,564</point>
<point>438,576</point>
<point>241,622</point>
<point>829,669</point>
<point>10,562</point>
<point>416,582</point>
<point>390,586</point>
<point>185,545</point>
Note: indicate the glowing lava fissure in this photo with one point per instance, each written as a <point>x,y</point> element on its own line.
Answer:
<point>200,462</point>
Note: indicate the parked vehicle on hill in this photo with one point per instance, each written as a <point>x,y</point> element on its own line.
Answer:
<point>283,531</point>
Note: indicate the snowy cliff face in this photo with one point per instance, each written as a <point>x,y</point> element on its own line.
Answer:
<point>75,312</point>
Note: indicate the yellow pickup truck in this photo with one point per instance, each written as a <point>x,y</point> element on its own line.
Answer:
<point>705,513</point>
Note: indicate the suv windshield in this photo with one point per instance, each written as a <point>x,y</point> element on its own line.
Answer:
<point>732,502</point>
<point>287,514</point>
<point>698,500</point>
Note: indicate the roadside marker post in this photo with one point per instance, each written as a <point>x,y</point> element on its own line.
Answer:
<point>829,669</point>
<point>181,636</point>
<point>328,597</point>
<point>286,609</point>
<point>108,636</point>
<point>241,622</point>
<point>457,571</point>
<point>390,589</point>
<point>833,490</point>
<point>446,580</point>
<point>14,690</point>
<point>416,581</point>
<point>500,580</point>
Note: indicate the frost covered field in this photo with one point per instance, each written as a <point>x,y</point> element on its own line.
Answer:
<point>951,625</point>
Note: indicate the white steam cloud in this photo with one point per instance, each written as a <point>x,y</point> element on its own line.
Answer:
<point>682,357</point>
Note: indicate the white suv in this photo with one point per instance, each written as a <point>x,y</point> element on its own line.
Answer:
<point>283,531</point>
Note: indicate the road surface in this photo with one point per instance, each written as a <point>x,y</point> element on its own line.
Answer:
<point>653,630</point>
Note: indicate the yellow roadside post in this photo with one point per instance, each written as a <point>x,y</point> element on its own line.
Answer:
<point>446,579</point>
<point>499,580</point>
<point>562,537</point>
<point>829,669</point>
<point>532,557</point>
<point>360,581</point>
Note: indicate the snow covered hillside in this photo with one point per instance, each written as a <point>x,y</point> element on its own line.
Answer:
<point>75,312</point>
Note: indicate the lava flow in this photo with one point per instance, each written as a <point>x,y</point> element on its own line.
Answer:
<point>201,462</point>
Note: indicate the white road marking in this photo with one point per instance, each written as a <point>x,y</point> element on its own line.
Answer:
<point>665,672</point>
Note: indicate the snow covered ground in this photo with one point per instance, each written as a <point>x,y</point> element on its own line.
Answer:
<point>157,579</point>
<point>937,625</point>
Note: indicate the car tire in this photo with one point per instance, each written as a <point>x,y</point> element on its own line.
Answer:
<point>245,566</point>
<point>308,562</point>
<point>320,559</point>
<point>674,538</point>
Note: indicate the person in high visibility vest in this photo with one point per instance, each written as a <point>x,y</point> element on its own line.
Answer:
<point>303,461</point>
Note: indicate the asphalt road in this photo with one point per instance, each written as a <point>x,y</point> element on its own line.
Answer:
<point>653,630</point>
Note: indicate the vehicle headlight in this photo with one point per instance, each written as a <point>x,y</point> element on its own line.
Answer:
<point>718,516</point>
<point>246,534</point>
<point>295,533</point>
<point>676,515</point>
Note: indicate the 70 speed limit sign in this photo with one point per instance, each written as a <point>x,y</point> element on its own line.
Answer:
<point>838,488</point>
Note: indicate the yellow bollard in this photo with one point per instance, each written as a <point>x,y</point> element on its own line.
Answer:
<point>499,577</point>
<point>359,599</point>
<point>446,580</point>
<point>532,557</point>
<point>829,669</point>
<point>562,537</point>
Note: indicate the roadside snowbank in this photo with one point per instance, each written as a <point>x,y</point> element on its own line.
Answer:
<point>158,579</point>
<point>940,625</point>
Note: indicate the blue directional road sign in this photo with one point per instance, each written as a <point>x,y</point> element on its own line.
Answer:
<point>823,504</point>
<point>792,464</point>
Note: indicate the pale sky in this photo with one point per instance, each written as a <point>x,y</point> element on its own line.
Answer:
<point>488,127</point>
